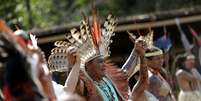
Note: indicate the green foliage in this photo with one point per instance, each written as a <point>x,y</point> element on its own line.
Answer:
<point>43,13</point>
<point>46,13</point>
<point>7,10</point>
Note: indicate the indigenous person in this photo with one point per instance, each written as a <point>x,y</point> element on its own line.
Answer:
<point>72,78</point>
<point>164,43</point>
<point>99,79</point>
<point>131,67</point>
<point>189,79</point>
<point>157,85</point>
<point>50,87</point>
<point>25,77</point>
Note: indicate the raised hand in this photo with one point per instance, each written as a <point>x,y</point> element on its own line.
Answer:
<point>140,47</point>
<point>140,44</point>
<point>132,37</point>
<point>141,86</point>
<point>73,77</point>
<point>71,56</point>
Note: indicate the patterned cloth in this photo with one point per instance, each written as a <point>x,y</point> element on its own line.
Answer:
<point>107,90</point>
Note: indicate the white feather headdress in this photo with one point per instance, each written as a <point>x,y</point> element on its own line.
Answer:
<point>90,42</point>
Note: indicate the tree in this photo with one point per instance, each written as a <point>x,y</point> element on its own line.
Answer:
<point>45,13</point>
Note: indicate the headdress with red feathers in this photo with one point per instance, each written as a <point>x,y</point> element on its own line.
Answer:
<point>90,41</point>
<point>21,77</point>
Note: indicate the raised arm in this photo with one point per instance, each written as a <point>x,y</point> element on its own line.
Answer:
<point>73,77</point>
<point>141,85</point>
<point>132,61</point>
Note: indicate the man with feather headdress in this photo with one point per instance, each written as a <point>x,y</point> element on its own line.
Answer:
<point>99,79</point>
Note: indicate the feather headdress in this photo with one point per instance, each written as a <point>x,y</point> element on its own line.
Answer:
<point>20,65</point>
<point>90,42</point>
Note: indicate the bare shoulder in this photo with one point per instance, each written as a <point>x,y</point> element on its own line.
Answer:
<point>183,75</point>
<point>180,72</point>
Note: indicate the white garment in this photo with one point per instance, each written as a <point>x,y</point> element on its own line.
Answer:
<point>64,96</point>
<point>189,96</point>
<point>59,91</point>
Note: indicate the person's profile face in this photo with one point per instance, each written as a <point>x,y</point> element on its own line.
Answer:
<point>156,62</point>
<point>96,67</point>
<point>190,63</point>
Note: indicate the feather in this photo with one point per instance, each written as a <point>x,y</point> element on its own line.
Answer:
<point>61,44</point>
<point>96,30</point>
<point>84,28</point>
<point>34,41</point>
<point>57,61</point>
<point>77,36</point>
<point>107,33</point>
<point>4,28</point>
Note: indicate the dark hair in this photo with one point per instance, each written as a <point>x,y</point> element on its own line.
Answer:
<point>18,72</point>
<point>181,63</point>
<point>150,58</point>
<point>90,61</point>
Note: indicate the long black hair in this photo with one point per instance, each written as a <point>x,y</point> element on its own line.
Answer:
<point>16,74</point>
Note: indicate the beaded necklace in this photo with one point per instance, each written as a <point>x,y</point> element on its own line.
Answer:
<point>107,90</point>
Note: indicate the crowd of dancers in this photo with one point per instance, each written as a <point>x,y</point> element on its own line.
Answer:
<point>26,75</point>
